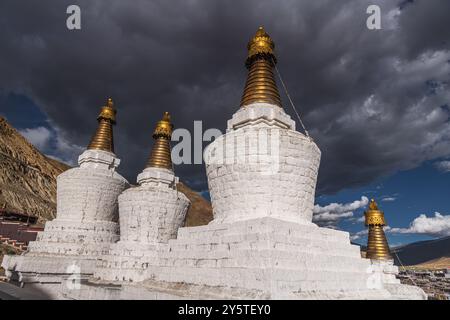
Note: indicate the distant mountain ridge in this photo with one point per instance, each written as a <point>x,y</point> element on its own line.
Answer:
<point>28,180</point>
<point>423,252</point>
<point>429,253</point>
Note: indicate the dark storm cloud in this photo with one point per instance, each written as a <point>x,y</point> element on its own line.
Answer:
<point>371,99</point>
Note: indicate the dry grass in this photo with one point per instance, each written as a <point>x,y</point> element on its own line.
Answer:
<point>200,211</point>
<point>440,263</point>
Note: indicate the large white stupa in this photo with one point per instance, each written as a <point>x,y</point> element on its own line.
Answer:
<point>262,243</point>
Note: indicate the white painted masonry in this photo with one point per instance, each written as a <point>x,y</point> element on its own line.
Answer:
<point>262,168</point>
<point>385,270</point>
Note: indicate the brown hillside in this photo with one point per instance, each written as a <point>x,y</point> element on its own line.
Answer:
<point>439,263</point>
<point>200,211</point>
<point>27,177</point>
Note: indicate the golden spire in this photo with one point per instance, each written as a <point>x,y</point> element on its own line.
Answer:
<point>377,245</point>
<point>261,85</point>
<point>160,155</point>
<point>103,137</point>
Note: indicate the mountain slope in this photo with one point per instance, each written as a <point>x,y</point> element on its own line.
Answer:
<point>423,252</point>
<point>28,180</point>
<point>200,211</point>
<point>440,263</point>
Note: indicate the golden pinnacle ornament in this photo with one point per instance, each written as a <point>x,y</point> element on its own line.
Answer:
<point>377,245</point>
<point>160,155</point>
<point>103,137</point>
<point>261,85</point>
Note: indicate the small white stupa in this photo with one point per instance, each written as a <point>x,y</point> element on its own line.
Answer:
<point>262,243</point>
<point>378,252</point>
<point>86,223</point>
<point>150,214</point>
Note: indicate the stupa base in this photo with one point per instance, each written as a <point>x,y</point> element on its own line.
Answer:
<point>49,274</point>
<point>65,250</point>
<point>127,262</point>
<point>156,290</point>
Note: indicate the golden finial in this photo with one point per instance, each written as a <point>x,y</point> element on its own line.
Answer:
<point>260,44</point>
<point>163,127</point>
<point>261,85</point>
<point>160,156</point>
<point>373,205</point>
<point>103,137</point>
<point>377,245</point>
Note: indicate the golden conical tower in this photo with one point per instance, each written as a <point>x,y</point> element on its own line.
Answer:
<point>377,245</point>
<point>261,85</point>
<point>103,137</point>
<point>160,155</point>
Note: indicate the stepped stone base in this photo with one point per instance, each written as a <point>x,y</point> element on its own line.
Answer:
<point>264,258</point>
<point>127,261</point>
<point>156,290</point>
<point>64,249</point>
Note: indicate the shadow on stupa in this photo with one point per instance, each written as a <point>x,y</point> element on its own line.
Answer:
<point>13,291</point>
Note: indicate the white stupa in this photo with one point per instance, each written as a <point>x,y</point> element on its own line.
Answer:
<point>86,223</point>
<point>150,214</point>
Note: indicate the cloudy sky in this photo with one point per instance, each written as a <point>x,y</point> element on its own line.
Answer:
<point>375,101</point>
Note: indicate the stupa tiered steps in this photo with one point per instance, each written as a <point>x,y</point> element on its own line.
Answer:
<point>264,258</point>
<point>278,258</point>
